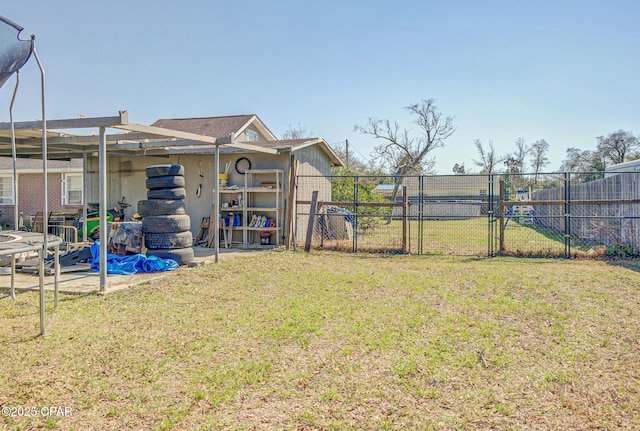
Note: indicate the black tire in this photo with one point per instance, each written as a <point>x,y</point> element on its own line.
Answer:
<point>175,193</point>
<point>163,170</point>
<point>165,182</point>
<point>168,240</point>
<point>166,224</point>
<point>180,255</point>
<point>156,207</point>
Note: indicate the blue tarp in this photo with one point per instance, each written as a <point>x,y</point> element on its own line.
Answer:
<point>127,265</point>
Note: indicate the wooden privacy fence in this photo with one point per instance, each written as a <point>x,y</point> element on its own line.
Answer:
<point>604,211</point>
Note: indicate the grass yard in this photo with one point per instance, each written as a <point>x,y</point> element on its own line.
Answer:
<point>330,341</point>
<point>468,237</point>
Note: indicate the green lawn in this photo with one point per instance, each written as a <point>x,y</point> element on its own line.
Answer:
<point>332,341</point>
<point>462,237</point>
<point>459,237</point>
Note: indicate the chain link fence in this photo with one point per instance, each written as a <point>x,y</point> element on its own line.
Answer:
<point>559,214</point>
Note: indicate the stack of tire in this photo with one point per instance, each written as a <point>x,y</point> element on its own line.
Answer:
<point>165,224</point>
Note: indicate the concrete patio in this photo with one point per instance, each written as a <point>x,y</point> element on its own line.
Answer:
<point>87,282</point>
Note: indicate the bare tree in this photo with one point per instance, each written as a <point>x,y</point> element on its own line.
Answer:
<point>520,154</point>
<point>618,146</point>
<point>516,163</point>
<point>539,158</point>
<point>402,153</point>
<point>297,132</point>
<point>459,169</point>
<point>488,157</point>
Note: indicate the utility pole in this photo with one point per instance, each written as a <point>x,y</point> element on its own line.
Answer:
<point>347,151</point>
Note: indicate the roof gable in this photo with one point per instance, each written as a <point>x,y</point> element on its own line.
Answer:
<point>234,126</point>
<point>217,127</point>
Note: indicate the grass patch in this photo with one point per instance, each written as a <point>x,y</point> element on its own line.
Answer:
<point>467,237</point>
<point>337,342</point>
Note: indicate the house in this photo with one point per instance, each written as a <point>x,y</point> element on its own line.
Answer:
<point>126,173</point>
<point>442,197</point>
<point>631,166</point>
<point>439,187</point>
<point>65,187</point>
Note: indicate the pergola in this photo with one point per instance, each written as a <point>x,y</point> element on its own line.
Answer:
<point>134,139</point>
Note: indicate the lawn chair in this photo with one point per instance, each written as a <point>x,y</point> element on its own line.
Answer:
<point>37,225</point>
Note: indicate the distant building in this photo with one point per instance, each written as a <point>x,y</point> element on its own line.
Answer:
<point>632,166</point>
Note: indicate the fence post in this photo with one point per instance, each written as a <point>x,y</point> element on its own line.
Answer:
<point>312,219</point>
<point>420,215</point>
<point>355,212</point>
<point>490,217</point>
<point>567,215</point>
<point>501,215</point>
<point>405,214</point>
<point>291,211</point>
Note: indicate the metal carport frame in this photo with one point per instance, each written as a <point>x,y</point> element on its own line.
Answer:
<point>141,139</point>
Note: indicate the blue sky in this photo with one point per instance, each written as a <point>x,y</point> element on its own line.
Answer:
<point>563,71</point>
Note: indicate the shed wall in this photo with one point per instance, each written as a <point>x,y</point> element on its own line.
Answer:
<point>130,182</point>
<point>313,162</point>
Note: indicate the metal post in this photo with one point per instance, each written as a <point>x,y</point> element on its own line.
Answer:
<point>85,194</point>
<point>421,215</point>
<point>45,207</point>
<point>56,268</point>
<point>567,215</point>
<point>355,213</point>
<point>215,224</point>
<point>13,276</point>
<point>569,204</point>
<point>41,253</point>
<point>501,215</point>
<point>490,217</point>
<point>405,217</point>
<point>102,173</point>
<point>14,156</point>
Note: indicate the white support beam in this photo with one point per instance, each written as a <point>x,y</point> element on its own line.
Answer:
<point>250,147</point>
<point>215,223</point>
<point>102,174</point>
<point>73,123</point>
<point>160,131</point>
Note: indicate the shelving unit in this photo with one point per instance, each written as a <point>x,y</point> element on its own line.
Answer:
<point>262,195</point>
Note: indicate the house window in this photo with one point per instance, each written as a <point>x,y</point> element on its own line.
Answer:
<point>251,136</point>
<point>6,190</point>
<point>72,189</point>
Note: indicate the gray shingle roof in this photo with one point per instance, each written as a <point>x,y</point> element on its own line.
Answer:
<point>217,127</point>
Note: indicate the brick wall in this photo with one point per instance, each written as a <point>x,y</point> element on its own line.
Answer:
<point>30,198</point>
